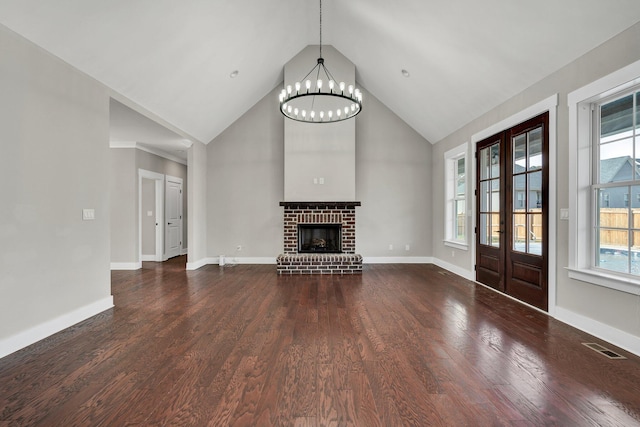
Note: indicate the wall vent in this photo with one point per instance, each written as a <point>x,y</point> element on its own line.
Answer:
<point>603,350</point>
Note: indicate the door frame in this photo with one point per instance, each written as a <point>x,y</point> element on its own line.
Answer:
<point>158,178</point>
<point>549,104</point>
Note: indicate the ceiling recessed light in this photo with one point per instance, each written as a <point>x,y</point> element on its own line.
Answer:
<point>405,73</point>
<point>234,74</point>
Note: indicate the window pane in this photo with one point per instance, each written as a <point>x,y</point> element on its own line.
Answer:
<point>613,253</point>
<point>519,192</point>
<point>535,191</point>
<point>535,149</point>
<point>611,211</point>
<point>495,230</point>
<point>635,201</point>
<point>485,163</point>
<point>460,220</point>
<point>460,181</point>
<point>484,229</point>
<point>616,116</point>
<point>616,161</point>
<point>495,161</point>
<point>495,195</point>
<point>520,232</point>
<point>484,196</point>
<point>535,234</point>
<point>520,153</point>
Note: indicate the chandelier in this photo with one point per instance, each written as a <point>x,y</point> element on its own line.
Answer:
<point>318,97</point>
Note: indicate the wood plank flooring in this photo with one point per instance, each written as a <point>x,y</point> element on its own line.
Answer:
<point>400,345</point>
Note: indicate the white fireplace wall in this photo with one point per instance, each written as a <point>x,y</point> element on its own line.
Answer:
<point>319,159</point>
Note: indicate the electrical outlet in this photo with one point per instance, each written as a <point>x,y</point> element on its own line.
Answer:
<point>453,254</point>
<point>390,247</point>
<point>407,247</point>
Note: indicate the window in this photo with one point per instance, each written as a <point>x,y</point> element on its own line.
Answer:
<point>604,205</point>
<point>456,195</point>
<point>616,176</point>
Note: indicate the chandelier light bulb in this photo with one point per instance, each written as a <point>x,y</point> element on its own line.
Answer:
<point>336,102</point>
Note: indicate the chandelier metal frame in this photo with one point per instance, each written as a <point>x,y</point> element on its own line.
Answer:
<point>350,97</point>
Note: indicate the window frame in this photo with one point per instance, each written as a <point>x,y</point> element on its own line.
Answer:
<point>582,200</point>
<point>451,158</point>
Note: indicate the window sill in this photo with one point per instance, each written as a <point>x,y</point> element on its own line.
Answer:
<point>457,245</point>
<point>607,280</point>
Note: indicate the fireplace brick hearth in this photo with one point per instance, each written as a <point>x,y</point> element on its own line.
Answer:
<point>345,262</point>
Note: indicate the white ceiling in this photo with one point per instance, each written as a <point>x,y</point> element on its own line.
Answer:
<point>173,59</point>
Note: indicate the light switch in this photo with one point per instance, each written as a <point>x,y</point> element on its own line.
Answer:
<point>564,213</point>
<point>88,214</point>
<point>149,213</point>
<point>315,180</point>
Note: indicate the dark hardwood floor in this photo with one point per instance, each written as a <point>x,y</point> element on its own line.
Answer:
<point>399,345</point>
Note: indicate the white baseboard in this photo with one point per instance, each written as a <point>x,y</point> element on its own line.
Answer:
<point>397,260</point>
<point>248,260</point>
<point>200,263</point>
<point>43,330</point>
<point>126,265</point>
<point>619,338</point>
<point>454,269</point>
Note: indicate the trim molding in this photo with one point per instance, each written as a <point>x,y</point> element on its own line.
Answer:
<point>605,332</point>
<point>398,260</point>
<point>32,335</point>
<point>126,265</point>
<point>200,263</point>
<point>462,272</point>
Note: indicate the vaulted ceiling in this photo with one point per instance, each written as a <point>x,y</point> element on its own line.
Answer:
<point>173,59</point>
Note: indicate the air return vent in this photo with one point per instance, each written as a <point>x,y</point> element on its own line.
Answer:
<point>603,350</point>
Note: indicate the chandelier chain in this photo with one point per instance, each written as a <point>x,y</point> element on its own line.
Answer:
<point>320,28</point>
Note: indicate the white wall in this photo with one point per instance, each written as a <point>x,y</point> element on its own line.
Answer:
<point>588,306</point>
<point>54,131</point>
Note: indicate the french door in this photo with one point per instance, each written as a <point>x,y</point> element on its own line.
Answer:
<point>512,219</point>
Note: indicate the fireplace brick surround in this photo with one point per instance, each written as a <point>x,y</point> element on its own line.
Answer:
<point>346,262</point>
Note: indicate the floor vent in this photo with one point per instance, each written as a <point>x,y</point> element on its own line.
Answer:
<point>603,350</point>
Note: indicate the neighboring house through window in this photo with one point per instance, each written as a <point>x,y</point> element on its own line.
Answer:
<point>605,178</point>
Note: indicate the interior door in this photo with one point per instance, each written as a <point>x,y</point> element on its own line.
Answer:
<point>512,200</point>
<point>173,217</point>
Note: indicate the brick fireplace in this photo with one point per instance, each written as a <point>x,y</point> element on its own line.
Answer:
<point>306,214</point>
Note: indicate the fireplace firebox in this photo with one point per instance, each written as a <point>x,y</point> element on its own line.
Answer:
<point>319,238</point>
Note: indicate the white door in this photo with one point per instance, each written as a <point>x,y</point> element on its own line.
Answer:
<point>173,217</point>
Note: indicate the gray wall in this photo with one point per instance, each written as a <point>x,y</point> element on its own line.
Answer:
<point>604,305</point>
<point>324,152</point>
<point>246,183</point>
<point>125,163</point>
<point>54,131</point>
<point>393,182</point>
